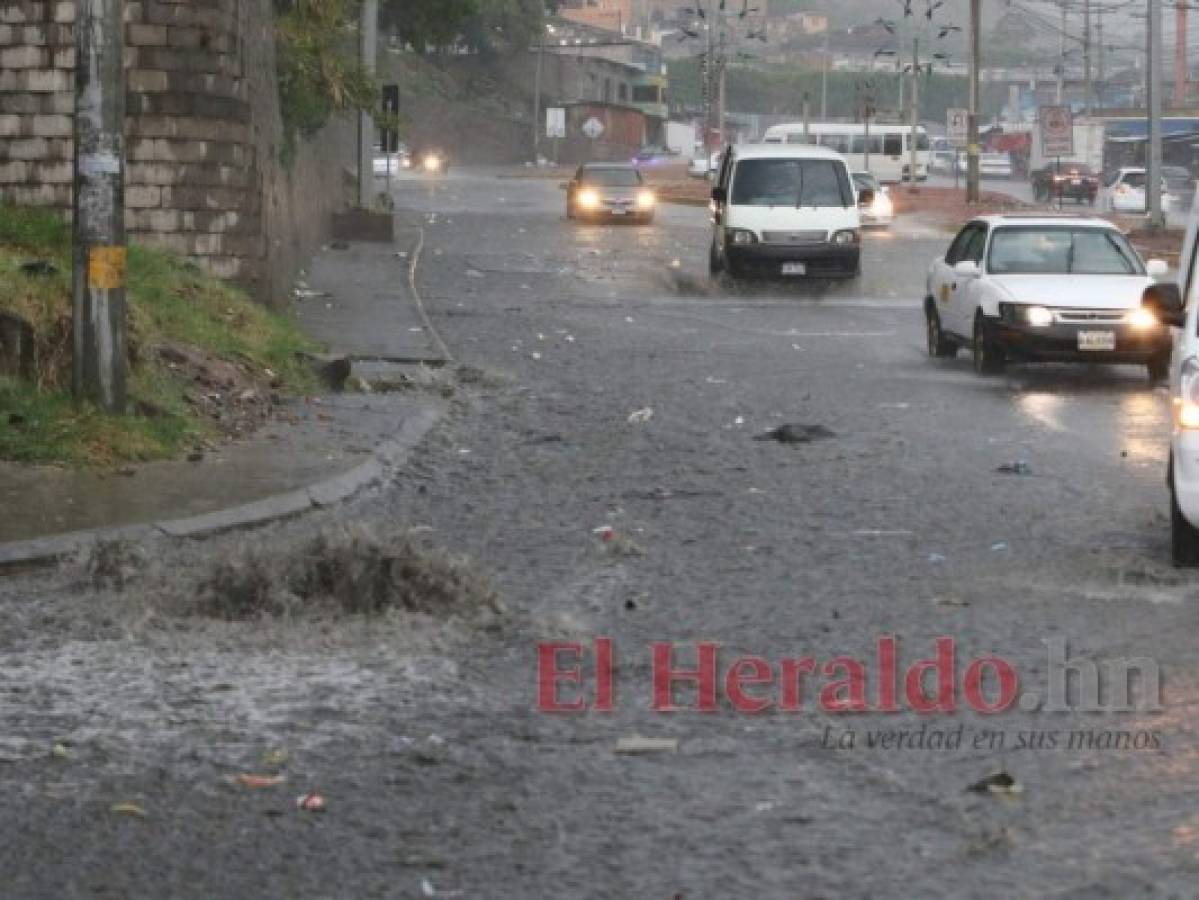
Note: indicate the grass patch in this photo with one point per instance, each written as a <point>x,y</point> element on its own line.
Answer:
<point>170,301</point>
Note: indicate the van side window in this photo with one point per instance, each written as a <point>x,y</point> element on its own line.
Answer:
<point>893,144</point>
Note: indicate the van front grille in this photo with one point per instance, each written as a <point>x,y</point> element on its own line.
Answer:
<point>794,237</point>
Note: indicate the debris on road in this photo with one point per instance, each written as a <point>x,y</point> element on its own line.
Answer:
<point>60,751</point>
<point>273,759</point>
<point>999,546</point>
<point>936,558</point>
<point>950,601</point>
<point>635,745</point>
<point>311,802</point>
<point>249,780</point>
<point>128,809</point>
<point>639,416</point>
<point>1019,467</point>
<point>796,433</point>
<point>999,783</point>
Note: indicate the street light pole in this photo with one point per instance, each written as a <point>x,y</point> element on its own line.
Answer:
<point>1153,162</point>
<point>915,111</point>
<point>972,148</point>
<point>99,253</point>
<point>369,35</point>
<point>824,80</point>
<point>537,96</point>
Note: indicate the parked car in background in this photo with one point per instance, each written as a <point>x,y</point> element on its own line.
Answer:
<point>879,211</point>
<point>610,191</point>
<point>1124,191</point>
<point>990,165</point>
<point>699,167</point>
<point>653,153</point>
<point>1044,288</point>
<point>1065,181</point>
<point>1181,185</point>
<point>942,161</point>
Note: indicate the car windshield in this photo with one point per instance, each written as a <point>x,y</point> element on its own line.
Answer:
<point>612,177</point>
<point>791,182</point>
<point>1134,179</point>
<point>1061,251</point>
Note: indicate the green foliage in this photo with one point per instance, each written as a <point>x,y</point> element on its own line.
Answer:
<point>319,70</point>
<point>487,26</point>
<point>169,301</point>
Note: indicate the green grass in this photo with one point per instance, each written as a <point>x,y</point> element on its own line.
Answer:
<point>169,300</point>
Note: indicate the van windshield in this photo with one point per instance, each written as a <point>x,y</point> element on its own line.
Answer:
<point>791,182</point>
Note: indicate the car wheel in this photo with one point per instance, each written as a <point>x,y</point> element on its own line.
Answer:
<point>1184,537</point>
<point>988,358</point>
<point>715,266</point>
<point>939,346</point>
<point>1159,368</point>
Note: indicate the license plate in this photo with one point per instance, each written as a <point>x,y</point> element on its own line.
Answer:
<point>795,268</point>
<point>1096,340</point>
<point>619,212</point>
<point>1076,183</point>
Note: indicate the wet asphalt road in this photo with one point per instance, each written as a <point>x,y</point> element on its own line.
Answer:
<point>441,775</point>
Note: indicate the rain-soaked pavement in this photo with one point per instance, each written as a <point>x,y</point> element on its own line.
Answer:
<point>440,775</point>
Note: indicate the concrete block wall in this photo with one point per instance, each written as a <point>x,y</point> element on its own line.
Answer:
<point>202,127</point>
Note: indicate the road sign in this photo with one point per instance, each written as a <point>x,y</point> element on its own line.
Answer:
<point>555,122</point>
<point>955,126</point>
<point>593,128</point>
<point>1057,130</point>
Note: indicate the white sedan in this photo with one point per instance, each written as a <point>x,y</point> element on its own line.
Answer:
<point>1124,192</point>
<point>1044,289</point>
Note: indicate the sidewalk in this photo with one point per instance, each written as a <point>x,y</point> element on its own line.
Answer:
<point>316,451</point>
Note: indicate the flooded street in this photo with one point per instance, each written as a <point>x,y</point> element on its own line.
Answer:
<point>593,519</point>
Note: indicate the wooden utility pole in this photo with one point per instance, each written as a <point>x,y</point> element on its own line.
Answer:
<point>98,310</point>
<point>369,34</point>
<point>915,111</point>
<point>972,148</point>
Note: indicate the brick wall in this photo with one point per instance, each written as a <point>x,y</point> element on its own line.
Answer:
<point>202,132</point>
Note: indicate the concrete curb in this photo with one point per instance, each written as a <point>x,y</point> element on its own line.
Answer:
<point>20,556</point>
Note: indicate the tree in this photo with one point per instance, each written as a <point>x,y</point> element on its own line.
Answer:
<point>485,26</point>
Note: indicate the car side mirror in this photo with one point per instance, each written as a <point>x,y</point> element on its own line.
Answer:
<point>967,268</point>
<point>1157,268</point>
<point>1164,300</point>
<point>865,197</point>
<point>719,195</point>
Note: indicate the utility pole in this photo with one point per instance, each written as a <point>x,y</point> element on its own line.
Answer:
<point>824,81</point>
<point>369,34</point>
<point>1153,162</point>
<point>1086,55</point>
<point>915,111</point>
<point>1101,81</point>
<point>720,86</point>
<point>807,118</point>
<point>709,64</point>
<point>972,148</point>
<point>537,96</point>
<point>98,295</point>
<point>1180,54</point>
<point>1061,56</point>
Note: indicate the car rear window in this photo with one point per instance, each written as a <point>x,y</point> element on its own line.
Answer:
<point>791,182</point>
<point>1061,251</point>
<point>611,177</point>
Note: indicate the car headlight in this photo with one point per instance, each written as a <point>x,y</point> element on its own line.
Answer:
<point>882,205</point>
<point>1186,404</point>
<point>432,162</point>
<point>1038,316</point>
<point>1141,318</point>
<point>646,200</point>
<point>741,236</point>
<point>847,236</point>
<point>588,199</point>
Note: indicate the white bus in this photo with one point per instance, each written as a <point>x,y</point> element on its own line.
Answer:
<point>890,145</point>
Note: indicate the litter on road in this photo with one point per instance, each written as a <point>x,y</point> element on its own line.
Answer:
<point>796,433</point>
<point>999,783</point>
<point>636,745</point>
<point>640,416</point>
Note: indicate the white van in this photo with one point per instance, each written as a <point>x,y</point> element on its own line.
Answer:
<point>785,210</point>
